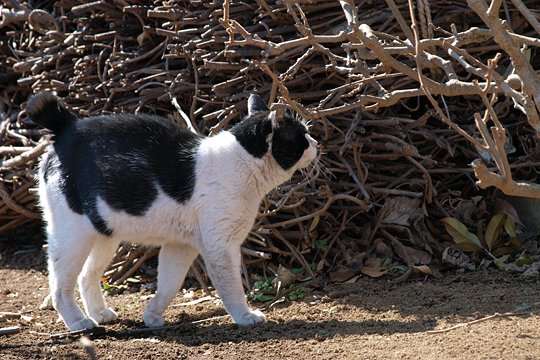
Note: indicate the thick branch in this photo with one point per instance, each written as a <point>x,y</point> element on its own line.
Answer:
<point>487,178</point>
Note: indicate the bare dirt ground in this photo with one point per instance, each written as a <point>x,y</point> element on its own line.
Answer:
<point>371,319</point>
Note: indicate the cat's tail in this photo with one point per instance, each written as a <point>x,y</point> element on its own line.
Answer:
<point>49,111</point>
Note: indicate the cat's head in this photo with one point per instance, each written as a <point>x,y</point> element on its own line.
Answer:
<point>282,136</point>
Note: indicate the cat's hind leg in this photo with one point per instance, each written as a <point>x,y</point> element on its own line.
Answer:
<point>173,264</point>
<point>102,252</point>
<point>67,252</point>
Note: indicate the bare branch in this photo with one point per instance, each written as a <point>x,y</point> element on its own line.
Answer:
<point>529,78</point>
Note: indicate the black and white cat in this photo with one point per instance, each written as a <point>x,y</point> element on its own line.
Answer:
<point>144,179</point>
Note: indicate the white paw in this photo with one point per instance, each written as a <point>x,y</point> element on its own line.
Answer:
<point>153,320</point>
<point>105,316</point>
<point>84,323</point>
<point>251,318</point>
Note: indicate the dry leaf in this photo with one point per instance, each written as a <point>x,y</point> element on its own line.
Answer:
<point>505,207</point>
<point>511,247</point>
<point>401,210</point>
<point>342,273</point>
<point>373,271</point>
<point>465,211</point>
<point>461,234</point>
<point>284,276</point>
<point>494,230</point>
<point>373,267</point>
<point>352,280</point>
<point>321,265</point>
<point>423,269</point>
<point>401,251</point>
<point>314,223</point>
<point>418,257</point>
<point>510,227</point>
<point>382,250</point>
<point>457,257</point>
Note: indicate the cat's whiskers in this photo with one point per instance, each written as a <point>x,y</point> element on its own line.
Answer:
<point>314,170</point>
<point>305,174</point>
<point>323,170</point>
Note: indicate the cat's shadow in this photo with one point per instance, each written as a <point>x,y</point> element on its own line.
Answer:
<point>384,309</point>
<point>300,330</point>
<point>223,331</point>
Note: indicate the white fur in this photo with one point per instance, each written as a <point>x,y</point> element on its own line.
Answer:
<point>214,222</point>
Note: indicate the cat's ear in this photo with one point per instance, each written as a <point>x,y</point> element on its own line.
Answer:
<point>255,104</point>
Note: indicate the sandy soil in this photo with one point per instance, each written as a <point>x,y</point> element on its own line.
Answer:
<point>371,319</point>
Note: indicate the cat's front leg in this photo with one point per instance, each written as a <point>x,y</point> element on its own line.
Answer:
<point>222,260</point>
<point>173,264</point>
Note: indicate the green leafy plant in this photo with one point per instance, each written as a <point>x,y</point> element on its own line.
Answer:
<point>524,260</point>
<point>112,288</point>
<point>499,240</point>
<point>297,294</point>
<point>321,244</point>
<point>265,289</point>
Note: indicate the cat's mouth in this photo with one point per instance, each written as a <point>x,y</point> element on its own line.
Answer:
<point>312,149</point>
<point>313,167</point>
<point>310,154</point>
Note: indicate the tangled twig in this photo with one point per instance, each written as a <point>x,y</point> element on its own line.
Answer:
<point>400,112</point>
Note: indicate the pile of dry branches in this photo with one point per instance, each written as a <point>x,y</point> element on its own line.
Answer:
<point>402,95</point>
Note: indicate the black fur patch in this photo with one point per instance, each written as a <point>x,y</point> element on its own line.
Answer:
<point>48,111</point>
<point>288,138</point>
<point>252,133</point>
<point>289,142</point>
<point>255,104</point>
<point>121,159</point>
